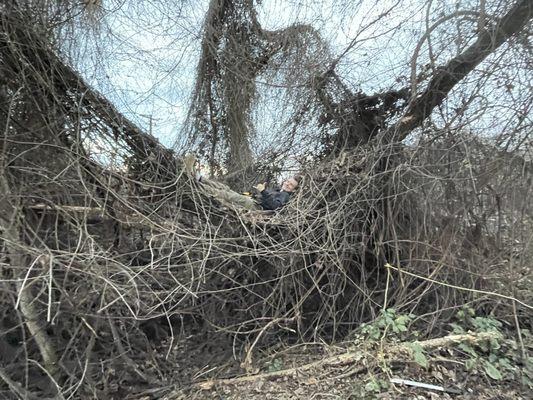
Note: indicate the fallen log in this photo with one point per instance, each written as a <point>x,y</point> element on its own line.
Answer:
<point>391,353</point>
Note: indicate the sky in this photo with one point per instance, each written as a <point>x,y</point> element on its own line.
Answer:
<point>144,59</point>
<point>143,55</point>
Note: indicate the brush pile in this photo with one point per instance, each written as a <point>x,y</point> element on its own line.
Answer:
<point>108,247</point>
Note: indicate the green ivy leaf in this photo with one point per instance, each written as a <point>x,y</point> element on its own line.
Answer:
<point>402,328</point>
<point>373,386</point>
<point>494,344</point>
<point>403,319</point>
<point>506,364</point>
<point>457,328</point>
<point>468,349</point>
<point>492,371</point>
<point>421,359</point>
<point>418,355</point>
<point>484,346</point>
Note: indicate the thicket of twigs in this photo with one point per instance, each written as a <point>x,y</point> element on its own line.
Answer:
<point>106,239</point>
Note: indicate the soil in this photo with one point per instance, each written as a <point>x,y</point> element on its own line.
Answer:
<point>207,371</point>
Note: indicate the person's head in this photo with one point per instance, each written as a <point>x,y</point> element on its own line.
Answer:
<point>289,185</point>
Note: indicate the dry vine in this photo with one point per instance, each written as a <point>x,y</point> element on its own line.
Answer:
<point>99,262</point>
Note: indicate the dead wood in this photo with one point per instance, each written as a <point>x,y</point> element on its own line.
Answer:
<point>447,76</point>
<point>146,243</point>
<point>390,353</point>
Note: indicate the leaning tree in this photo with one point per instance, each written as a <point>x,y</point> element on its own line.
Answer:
<point>100,263</point>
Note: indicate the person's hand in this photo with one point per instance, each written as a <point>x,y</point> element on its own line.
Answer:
<point>261,186</point>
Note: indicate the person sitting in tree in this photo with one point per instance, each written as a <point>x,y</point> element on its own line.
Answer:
<point>268,199</point>
<point>272,199</point>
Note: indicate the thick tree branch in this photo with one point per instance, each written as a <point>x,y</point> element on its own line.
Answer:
<point>397,352</point>
<point>357,117</point>
<point>457,68</point>
<point>9,224</point>
<point>21,43</point>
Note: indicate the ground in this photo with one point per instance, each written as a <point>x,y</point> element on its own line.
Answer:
<point>490,363</point>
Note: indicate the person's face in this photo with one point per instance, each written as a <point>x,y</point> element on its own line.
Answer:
<point>289,185</point>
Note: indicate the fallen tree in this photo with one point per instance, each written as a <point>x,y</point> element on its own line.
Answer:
<point>100,263</point>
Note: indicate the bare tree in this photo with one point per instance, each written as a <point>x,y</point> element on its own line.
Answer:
<point>235,50</point>
<point>402,205</point>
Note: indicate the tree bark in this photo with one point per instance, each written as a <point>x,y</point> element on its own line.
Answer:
<point>9,224</point>
<point>458,67</point>
<point>20,43</point>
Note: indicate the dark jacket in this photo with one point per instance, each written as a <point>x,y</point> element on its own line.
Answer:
<point>272,199</point>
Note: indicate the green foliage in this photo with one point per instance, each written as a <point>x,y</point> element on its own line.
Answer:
<point>370,390</point>
<point>275,365</point>
<point>389,324</point>
<point>419,355</point>
<point>492,371</point>
<point>497,358</point>
<point>468,320</point>
<point>395,327</point>
<point>375,385</point>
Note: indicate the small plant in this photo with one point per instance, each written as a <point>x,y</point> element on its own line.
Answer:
<point>418,354</point>
<point>468,320</point>
<point>497,357</point>
<point>389,324</point>
<point>375,385</point>
<point>392,326</point>
<point>275,365</point>
<point>370,390</point>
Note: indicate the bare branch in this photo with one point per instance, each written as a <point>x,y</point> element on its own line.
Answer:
<point>448,76</point>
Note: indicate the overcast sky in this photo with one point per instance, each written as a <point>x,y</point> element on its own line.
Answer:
<point>144,58</point>
<point>145,55</point>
